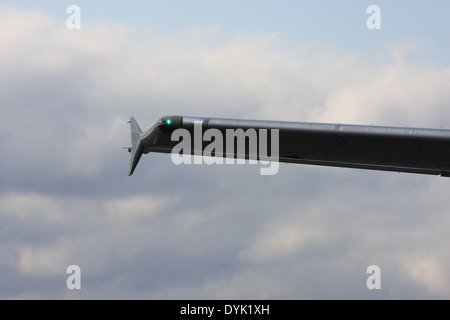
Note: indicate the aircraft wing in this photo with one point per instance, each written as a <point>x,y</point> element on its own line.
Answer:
<point>413,150</point>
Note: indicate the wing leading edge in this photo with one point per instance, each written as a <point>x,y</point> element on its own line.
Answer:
<point>413,150</point>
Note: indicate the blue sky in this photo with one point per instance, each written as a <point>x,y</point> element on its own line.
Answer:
<point>216,232</point>
<point>340,23</point>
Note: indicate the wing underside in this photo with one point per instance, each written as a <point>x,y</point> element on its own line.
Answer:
<point>413,150</point>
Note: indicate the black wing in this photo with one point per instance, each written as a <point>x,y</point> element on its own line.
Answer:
<point>414,150</point>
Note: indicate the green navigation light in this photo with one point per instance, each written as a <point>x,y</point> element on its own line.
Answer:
<point>169,122</point>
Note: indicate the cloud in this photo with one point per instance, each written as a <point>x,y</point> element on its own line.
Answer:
<point>206,231</point>
<point>430,272</point>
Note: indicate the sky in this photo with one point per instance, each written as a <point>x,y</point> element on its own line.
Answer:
<point>216,231</point>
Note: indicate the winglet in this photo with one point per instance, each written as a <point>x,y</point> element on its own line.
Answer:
<point>136,147</point>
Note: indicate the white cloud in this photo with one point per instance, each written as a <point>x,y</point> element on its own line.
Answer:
<point>80,229</point>
<point>280,241</point>
<point>430,272</point>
